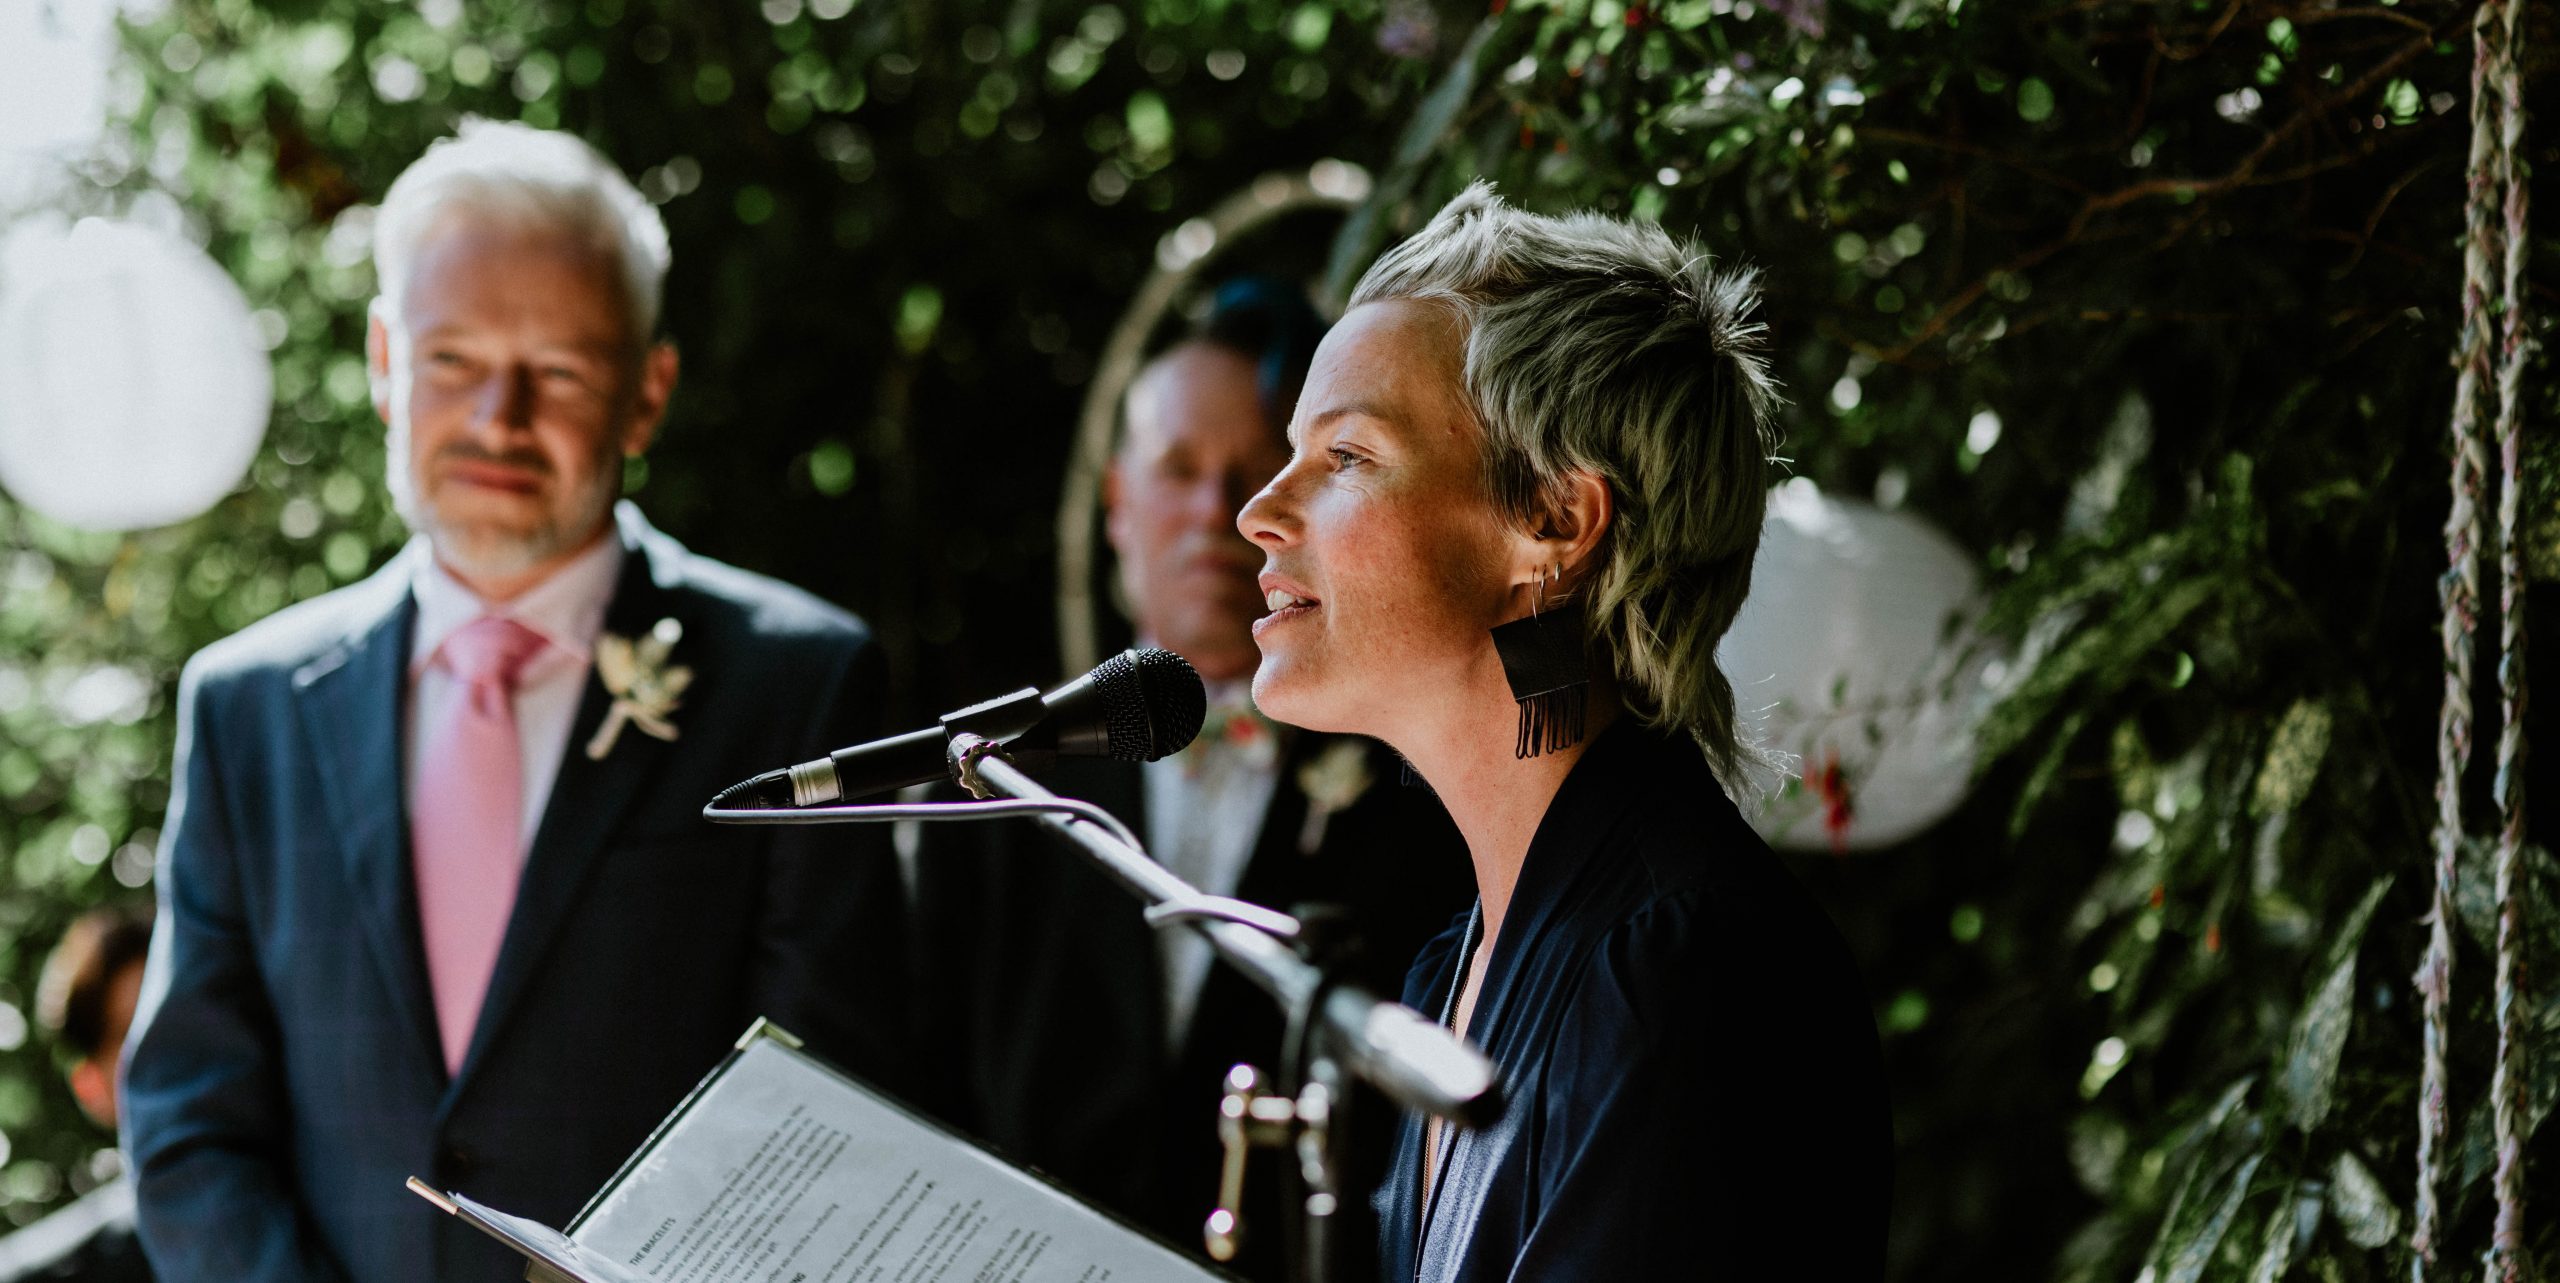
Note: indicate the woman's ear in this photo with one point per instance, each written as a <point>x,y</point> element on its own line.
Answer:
<point>1576,518</point>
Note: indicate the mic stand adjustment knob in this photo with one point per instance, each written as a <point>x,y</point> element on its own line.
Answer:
<point>1251,1116</point>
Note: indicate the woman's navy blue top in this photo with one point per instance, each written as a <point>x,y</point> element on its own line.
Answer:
<point>1695,1086</point>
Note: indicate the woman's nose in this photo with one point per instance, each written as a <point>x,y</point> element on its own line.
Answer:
<point>1269,518</point>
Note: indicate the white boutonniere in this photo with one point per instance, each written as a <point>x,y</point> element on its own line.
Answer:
<point>1332,782</point>
<point>645,687</point>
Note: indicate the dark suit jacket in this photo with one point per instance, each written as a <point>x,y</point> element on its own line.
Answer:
<point>1696,1091</point>
<point>1048,992</point>
<point>284,1078</point>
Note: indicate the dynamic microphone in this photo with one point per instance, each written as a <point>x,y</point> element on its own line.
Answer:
<point>1136,706</point>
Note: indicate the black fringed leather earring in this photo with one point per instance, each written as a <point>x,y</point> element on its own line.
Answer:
<point>1545,659</point>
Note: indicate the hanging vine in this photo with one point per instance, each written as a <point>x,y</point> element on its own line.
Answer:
<point>2502,23</point>
<point>2459,596</point>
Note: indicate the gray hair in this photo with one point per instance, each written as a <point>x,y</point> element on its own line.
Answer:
<point>531,177</point>
<point>1607,346</point>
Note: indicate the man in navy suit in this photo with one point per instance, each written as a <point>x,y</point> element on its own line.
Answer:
<point>435,896</point>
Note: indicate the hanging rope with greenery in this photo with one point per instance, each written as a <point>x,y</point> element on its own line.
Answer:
<point>2490,357</point>
<point>2506,1260</point>
<point>2459,593</point>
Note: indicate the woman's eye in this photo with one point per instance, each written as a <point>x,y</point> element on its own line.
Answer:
<point>1344,458</point>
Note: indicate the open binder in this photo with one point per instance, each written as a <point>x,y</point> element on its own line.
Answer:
<point>780,1168</point>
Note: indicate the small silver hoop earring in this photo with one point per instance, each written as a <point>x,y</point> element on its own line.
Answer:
<point>1547,576</point>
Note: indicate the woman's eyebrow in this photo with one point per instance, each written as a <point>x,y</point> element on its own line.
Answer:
<point>1366,409</point>
<point>1363,409</point>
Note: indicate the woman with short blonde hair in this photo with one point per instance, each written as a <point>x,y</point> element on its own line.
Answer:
<point>1528,480</point>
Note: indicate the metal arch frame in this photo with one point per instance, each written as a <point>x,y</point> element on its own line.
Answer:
<point>1328,184</point>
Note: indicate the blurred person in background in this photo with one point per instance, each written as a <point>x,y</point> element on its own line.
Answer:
<point>435,894</point>
<point>85,1003</point>
<point>1081,1041</point>
<point>1530,472</point>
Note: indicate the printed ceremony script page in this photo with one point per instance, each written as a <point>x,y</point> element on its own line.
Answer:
<point>781,1170</point>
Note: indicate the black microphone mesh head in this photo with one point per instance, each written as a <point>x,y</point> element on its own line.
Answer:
<point>1152,701</point>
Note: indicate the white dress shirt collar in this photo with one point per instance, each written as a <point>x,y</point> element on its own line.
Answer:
<point>1205,810</point>
<point>567,609</point>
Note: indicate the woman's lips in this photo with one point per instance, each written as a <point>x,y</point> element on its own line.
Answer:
<point>1284,604</point>
<point>1281,616</point>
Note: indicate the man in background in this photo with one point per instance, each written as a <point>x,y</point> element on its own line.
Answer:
<point>84,1001</point>
<point>1079,1040</point>
<point>435,896</point>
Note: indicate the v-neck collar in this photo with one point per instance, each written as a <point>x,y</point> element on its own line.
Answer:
<point>1435,1173</point>
<point>1578,826</point>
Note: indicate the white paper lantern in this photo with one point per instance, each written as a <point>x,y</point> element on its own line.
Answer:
<point>133,386</point>
<point>1854,653</point>
<point>55,57</point>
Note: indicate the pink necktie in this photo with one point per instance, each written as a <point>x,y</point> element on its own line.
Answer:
<point>467,835</point>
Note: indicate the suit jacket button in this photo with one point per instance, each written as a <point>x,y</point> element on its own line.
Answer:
<point>455,1162</point>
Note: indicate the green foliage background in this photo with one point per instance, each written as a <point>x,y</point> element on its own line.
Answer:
<point>2148,302</point>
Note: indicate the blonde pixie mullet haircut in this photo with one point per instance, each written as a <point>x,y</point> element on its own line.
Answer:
<point>522,177</point>
<point>1606,346</point>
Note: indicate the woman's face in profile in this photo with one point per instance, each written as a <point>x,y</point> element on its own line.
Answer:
<point>1385,562</point>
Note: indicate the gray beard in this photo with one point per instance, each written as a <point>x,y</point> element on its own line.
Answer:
<point>497,554</point>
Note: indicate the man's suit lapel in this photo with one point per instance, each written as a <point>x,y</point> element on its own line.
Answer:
<point>587,799</point>
<point>352,707</point>
<point>1347,871</point>
<point>1117,922</point>
<point>1123,792</point>
<point>1278,868</point>
<point>1231,1012</point>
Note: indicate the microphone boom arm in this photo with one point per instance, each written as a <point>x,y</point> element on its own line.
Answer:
<point>1414,1062</point>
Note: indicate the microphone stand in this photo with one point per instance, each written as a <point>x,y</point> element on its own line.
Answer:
<point>1334,1029</point>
